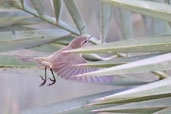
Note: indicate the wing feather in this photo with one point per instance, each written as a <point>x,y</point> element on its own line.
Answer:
<point>67,70</point>
<point>65,73</point>
<point>84,79</point>
<point>61,69</point>
<point>95,78</point>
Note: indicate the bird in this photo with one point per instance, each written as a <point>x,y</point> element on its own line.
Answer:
<point>65,64</point>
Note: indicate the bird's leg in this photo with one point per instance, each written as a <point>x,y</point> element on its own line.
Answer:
<point>44,79</point>
<point>53,80</point>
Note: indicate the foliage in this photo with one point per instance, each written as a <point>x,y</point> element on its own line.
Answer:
<point>145,54</point>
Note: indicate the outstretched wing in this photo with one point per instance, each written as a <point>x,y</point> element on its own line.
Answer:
<point>67,69</point>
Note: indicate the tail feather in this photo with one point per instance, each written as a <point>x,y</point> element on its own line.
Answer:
<point>26,59</point>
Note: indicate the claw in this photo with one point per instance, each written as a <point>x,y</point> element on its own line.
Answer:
<point>52,80</point>
<point>42,78</point>
<point>43,83</point>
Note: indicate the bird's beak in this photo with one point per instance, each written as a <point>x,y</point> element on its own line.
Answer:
<point>89,37</point>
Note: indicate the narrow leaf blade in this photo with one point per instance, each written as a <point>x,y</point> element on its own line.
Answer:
<point>57,5</point>
<point>151,89</point>
<point>149,8</point>
<point>149,106</point>
<point>76,16</point>
<point>37,4</point>
<point>145,44</point>
<point>117,61</point>
<point>161,62</point>
<point>106,13</point>
<point>30,41</point>
<point>126,24</point>
<point>70,106</point>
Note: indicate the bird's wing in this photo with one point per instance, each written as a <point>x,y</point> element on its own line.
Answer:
<point>67,69</point>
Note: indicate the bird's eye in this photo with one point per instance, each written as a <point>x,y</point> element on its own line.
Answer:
<point>85,41</point>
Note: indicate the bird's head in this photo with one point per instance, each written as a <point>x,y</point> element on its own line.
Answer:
<point>79,42</point>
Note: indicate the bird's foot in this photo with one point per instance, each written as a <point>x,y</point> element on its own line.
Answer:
<point>52,80</point>
<point>43,83</point>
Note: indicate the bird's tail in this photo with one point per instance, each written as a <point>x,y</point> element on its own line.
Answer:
<point>35,59</point>
<point>26,59</point>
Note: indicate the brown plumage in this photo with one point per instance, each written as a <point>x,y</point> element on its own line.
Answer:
<point>64,64</point>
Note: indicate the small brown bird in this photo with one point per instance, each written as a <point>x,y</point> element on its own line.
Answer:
<point>64,64</point>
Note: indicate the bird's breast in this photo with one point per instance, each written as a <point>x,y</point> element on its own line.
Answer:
<point>46,64</point>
